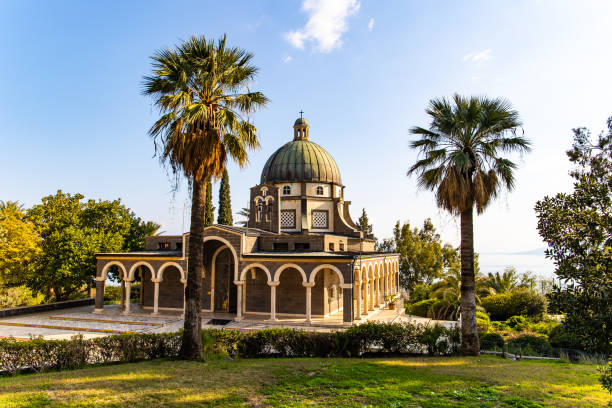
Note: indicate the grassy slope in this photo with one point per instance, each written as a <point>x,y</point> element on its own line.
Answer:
<point>411,382</point>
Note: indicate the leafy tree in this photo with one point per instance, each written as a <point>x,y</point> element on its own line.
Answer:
<point>225,201</point>
<point>364,223</point>
<point>421,255</point>
<point>209,209</point>
<point>139,229</point>
<point>20,245</point>
<point>72,232</point>
<point>201,90</point>
<point>578,230</point>
<point>244,212</point>
<point>12,206</point>
<point>462,162</point>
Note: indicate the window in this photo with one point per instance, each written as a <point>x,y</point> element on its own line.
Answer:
<point>286,190</point>
<point>302,246</point>
<point>320,219</point>
<point>264,192</point>
<point>259,213</point>
<point>163,245</point>
<point>319,190</point>
<point>280,246</point>
<point>179,246</point>
<point>288,219</point>
<point>269,213</point>
<point>342,246</point>
<point>331,246</point>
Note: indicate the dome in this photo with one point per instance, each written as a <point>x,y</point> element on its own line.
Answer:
<point>301,160</point>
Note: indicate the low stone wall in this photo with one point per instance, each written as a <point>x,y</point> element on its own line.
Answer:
<point>16,311</point>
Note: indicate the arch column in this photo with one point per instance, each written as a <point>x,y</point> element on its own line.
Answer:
<point>308,287</point>
<point>239,288</point>
<point>358,291</point>
<point>156,296</point>
<point>128,290</point>
<point>377,291</point>
<point>371,295</point>
<point>99,307</point>
<point>273,286</point>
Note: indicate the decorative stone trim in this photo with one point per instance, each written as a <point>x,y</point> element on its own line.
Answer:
<point>308,285</point>
<point>100,278</point>
<point>273,283</point>
<point>348,285</point>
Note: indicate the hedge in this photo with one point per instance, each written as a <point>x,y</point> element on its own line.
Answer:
<point>365,339</point>
<point>517,303</point>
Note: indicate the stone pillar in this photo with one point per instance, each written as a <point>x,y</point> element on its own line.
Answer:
<point>239,286</point>
<point>308,287</point>
<point>273,286</point>
<point>128,294</point>
<point>184,282</point>
<point>156,296</point>
<point>99,294</point>
<point>358,292</point>
<point>371,302</point>
<point>347,301</point>
<point>377,289</point>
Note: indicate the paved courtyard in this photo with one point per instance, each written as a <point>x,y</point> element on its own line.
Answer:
<point>62,324</point>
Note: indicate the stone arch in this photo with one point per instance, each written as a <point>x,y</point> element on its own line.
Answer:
<point>255,265</point>
<point>160,272</point>
<point>328,266</point>
<point>364,273</point>
<point>108,265</point>
<point>231,248</point>
<point>136,265</point>
<point>290,265</point>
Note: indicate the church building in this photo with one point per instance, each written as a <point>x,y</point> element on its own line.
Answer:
<point>300,256</point>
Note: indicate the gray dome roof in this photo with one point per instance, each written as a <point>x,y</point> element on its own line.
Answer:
<point>301,160</point>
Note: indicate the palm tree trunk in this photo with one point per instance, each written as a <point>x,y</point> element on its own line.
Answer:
<point>470,344</point>
<point>191,347</point>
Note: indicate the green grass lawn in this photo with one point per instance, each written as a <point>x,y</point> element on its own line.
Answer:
<point>405,382</point>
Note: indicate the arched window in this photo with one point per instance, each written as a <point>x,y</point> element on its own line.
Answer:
<point>268,213</point>
<point>259,213</point>
<point>319,190</point>
<point>286,190</point>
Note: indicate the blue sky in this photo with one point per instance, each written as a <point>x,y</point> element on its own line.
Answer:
<point>72,117</point>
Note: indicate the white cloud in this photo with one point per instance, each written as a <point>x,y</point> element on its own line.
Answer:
<point>287,59</point>
<point>371,24</point>
<point>326,24</point>
<point>476,56</point>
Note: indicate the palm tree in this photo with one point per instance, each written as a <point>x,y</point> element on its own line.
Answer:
<point>201,90</point>
<point>449,289</point>
<point>462,162</point>
<point>244,212</point>
<point>14,207</point>
<point>504,282</point>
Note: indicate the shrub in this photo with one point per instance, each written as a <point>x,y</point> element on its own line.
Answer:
<point>518,323</point>
<point>443,310</point>
<point>438,339</point>
<point>528,344</point>
<point>483,321</point>
<point>502,306</point>
<point>491,341</point>
<point>420,292</point>
<point>112,293</point>
<point>606,376</point>
<point>421,308</point>
<point>560,338</point>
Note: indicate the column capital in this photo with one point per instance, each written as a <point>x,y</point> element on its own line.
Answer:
<point>273,283</point>
<point>239,282</point>
<point>184,281</point>
<point>156,280</point>
<point>100,278</point>
<point>128,280</point>
<point>348,285</point>
<point>308,284</point>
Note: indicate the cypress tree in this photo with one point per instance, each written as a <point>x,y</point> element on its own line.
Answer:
<point>225,202</point>
<point>364,223</point>
<point>209,210</point>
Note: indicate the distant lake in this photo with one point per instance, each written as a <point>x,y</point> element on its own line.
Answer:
<point>536,263</point>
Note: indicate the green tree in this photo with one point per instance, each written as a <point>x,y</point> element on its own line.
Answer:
<point>509,280</point>
<point>139,230</point>
<point>72,232</point>
<point>578,230</point>
<point>421,256</point>
<point>244,213</point>
<point>462,162</point>
<point>209,208</point>
<point>364,223</point>
<point>225,201</point>
<point>202,91</point>
<point>20,245</point>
